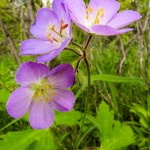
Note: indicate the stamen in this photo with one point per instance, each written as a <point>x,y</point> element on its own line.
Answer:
<point>89,10</point>
<point>99,15</point>
<point>47,99</point>
<point>52,93</point>
<point>62,26</point>
<point>54,39</point>
<point>53,29</point>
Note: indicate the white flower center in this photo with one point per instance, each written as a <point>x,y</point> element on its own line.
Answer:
<point>42,91</point>
<point>94,18</point>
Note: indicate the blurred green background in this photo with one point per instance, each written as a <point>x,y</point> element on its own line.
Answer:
<point>120,73</point>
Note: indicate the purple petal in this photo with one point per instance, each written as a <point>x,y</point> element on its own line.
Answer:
<point>19,101</point>
<point>31,72</point>
<point>41,115</point>
<point>63,100</point>
<point>64,15</point>
<point>124,18</point>
<point>61,76</point>
<point>37,47</point>
<point>58,5</point>
<point>108,31</point>
<point>77,10</point>
<point>110,8</point>
<point>45,17</point>
<point>53,53</point>
<point>38,32</point>
<point>82,26</point>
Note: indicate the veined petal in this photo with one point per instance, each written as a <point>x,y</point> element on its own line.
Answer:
<point>38,32</point>
<point>37,47</point>
<point>41,115</point>
<point>124,18</point>
<point>84,27</point>
<point>108,31</point>
<point>46,17</point>
<point>63,100</point>
<point>64,15</point>
<point>19,102</point>
<point>61,76</point>
<point>109,7</point>
<point>77,11</point>
<point>58,5</point>
<point>54,53</point>
<point>31,72</point>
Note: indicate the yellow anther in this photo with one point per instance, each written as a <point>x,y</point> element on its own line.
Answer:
<point>87,17</point>
<point>47,87</point>
<point>52,93</point>
<point>89,10</point>
<point>99,15</point>
<point>47,99</point>
<point>49,36</point>
<point>102,12</point>
<point>38,94</point>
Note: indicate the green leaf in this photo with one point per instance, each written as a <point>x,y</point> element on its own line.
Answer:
<point>68,56</point>
<point>68,118</point>
<point>113,134</point>
<point>111,78</point>
<point>22,139</point>
<point>142,113</point>
<point>105,125</point>
<point>118,79</point>
<point>4,95</point>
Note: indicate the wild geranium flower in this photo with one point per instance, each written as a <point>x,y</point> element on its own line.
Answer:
<point>41,92</point>
<point>101,17</point>
<point>52,30</point>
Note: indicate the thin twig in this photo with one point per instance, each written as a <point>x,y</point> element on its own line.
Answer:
<point>123,55</point>
<point>8,38</point>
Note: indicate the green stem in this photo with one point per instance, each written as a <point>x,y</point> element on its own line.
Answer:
<point>15,120</point>
<point>85,134</point>
<point>89,88</point>
<point>61,145</point>
<point>70,49</point>
<point>77,65</point>
<point>87,43</point>
<point>76,44</point>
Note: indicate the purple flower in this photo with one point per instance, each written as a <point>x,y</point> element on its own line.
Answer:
<point>101,17</point>
<point>52,30</point>
<point>41,92</point>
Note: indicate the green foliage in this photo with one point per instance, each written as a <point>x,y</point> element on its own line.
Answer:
<point>127,91</point>
<point>113,134</point>
<point>22,140</point>
<point>119,79</point>
<point>68,118</point>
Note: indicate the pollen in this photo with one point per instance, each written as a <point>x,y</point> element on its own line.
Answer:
<point>89,10</point>
<point>52,93</point>
<point>100,14</point>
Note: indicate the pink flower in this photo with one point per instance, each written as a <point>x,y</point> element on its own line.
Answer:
<point>52,30</point>
<point>101,17</point>
<point>41,92</point>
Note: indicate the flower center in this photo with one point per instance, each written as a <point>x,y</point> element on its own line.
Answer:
<point>43,91</point>
<point>94,18</point>
<point>55,34</point>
